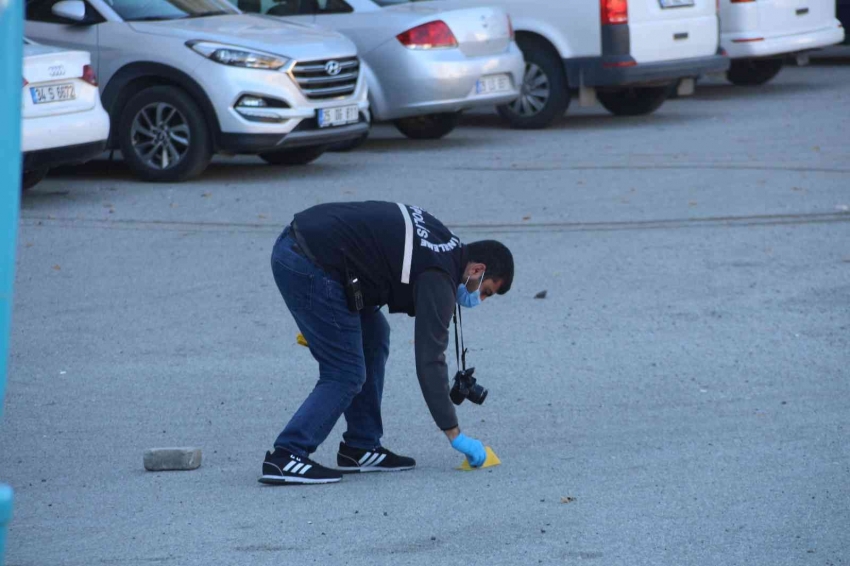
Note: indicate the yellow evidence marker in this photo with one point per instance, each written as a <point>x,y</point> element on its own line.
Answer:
<point>489,462</point>
<point>300,340</point>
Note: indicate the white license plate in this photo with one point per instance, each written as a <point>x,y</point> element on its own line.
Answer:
<point>675,3</point>
<point>493,83</point>
<point>54,93</point>
<point>339,116</point>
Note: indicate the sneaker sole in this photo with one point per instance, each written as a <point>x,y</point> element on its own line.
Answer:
<point>353,470</point>
<point>285,480</point>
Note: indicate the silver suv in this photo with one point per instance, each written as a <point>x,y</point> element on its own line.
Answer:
<point>185,79</point>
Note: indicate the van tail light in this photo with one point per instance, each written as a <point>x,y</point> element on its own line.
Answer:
<point>433,35</point>
<point>510,28</point>
<point>26,82</point>
<point>89,76</point>
<point>614,12</point>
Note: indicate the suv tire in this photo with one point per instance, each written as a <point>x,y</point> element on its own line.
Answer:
<point>544,95</point>
<point>156,126</point>
<point>753,72</point>
<point>298,156</point>
<point>428,126</point>
<point>633,101</point>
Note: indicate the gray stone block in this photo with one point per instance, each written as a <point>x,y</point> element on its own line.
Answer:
<point>162,459</point>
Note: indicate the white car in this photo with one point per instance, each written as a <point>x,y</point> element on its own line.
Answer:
<point>183,80</point>
<point>64,122</point>
<point>759,34</point>
<point>625,54</point>
<point>425,62</point>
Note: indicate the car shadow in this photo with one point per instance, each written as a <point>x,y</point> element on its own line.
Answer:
<point>598,120</point>
<point>400,144</point>
<point>727,91</point>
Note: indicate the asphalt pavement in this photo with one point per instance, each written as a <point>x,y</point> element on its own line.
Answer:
<point>680,397</point>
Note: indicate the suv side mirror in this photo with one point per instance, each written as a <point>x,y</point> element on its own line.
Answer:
<point>73,10</point>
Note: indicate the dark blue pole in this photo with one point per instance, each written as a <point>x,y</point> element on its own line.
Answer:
<point>11,81</point>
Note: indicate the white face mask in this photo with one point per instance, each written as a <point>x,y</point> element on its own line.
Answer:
<point>468,299</point>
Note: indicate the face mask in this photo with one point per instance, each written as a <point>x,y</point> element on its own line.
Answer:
<point>469,299</point>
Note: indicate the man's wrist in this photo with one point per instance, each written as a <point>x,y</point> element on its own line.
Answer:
<point>452,433</point>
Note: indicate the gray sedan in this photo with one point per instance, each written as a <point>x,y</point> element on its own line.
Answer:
<point>424,62</point>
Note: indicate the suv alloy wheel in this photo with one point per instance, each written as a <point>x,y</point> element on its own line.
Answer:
<point>163,135</point>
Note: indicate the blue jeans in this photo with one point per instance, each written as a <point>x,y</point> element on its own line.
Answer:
<point>351,348</point>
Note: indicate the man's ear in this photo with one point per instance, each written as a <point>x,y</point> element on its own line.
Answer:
<point>475,270</point>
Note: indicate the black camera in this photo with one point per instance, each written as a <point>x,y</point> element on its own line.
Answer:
<point>465,387</point>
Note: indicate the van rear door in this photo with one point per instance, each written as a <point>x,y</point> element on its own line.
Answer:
<point>663,30</point>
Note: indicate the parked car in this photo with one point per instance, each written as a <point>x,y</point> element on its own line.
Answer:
<point>426,61</point>
<point>625,54</point>
<point>63,121</point>
<point>759,34</point>
<point>184,79</point>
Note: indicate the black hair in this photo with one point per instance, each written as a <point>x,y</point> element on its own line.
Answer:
<point>498,259</point>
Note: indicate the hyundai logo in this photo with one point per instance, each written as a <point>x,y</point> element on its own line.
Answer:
<point>56,70</point>
<point>332,68</point>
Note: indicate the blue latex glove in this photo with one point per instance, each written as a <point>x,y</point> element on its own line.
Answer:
<point>471,448</point>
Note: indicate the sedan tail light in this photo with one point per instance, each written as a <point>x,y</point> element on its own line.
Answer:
<point>433,35</point>
<point>89,76</point>
<point>614,12</point>
<point>510,28</point>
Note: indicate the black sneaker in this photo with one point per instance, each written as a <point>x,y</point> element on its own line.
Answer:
<point>380,459</point>
<point>283,468</point>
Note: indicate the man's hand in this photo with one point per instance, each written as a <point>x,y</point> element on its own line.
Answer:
<point>471,448</point>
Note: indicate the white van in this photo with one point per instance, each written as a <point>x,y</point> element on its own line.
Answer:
<point>759,34</point>
<point>624,53</point>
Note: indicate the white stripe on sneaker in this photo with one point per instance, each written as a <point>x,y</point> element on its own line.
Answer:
<point>289,465</point>
<point>296,468</point>
<point>304,469</point>
<point>371,460</point>
<point>365,457</point>
<point>379,460</point>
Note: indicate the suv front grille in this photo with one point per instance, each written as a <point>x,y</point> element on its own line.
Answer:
<point>317,82</point>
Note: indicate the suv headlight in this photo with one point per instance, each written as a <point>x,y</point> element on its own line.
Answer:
<point>238,56</point>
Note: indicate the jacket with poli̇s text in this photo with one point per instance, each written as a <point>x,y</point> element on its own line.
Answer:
<point>405,259</point>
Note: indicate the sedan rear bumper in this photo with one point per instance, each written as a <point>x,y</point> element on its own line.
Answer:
<point>68,155</point>
<point>404,82</point>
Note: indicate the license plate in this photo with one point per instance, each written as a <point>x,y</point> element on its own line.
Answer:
<point>53,93</point>
<point>339,116</point>
<point>675,3</point>
<point>493,83</point>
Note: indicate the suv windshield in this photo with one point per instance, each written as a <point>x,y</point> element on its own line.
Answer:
<point>141,10</point>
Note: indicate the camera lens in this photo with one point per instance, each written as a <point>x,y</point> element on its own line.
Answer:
<point>477,394</point>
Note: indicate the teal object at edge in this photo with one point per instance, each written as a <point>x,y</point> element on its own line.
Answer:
<point>11,80</point>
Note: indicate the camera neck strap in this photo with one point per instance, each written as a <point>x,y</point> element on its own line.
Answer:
<point>460,350</point>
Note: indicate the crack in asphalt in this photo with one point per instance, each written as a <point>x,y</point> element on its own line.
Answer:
<point>515,227</point>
